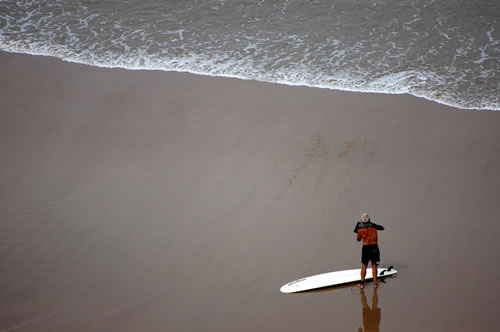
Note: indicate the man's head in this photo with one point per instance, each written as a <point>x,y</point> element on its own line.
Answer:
<point>365,217</point>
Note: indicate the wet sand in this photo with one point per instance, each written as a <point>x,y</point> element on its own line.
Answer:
<point>154,201</point>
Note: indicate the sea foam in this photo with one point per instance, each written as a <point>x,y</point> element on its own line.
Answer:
<point>420,51</point>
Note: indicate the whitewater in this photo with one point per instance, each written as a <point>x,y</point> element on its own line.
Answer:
<point>446,51</point>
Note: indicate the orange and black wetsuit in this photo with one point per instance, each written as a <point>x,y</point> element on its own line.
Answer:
<point>368,232</point>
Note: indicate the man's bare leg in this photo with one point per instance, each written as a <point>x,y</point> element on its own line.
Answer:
<point>363,274</point>
<point>374,274</point>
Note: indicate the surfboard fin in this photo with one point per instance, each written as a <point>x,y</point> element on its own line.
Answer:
<point>388,269</point>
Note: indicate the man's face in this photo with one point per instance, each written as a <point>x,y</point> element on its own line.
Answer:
<point>365,218</point>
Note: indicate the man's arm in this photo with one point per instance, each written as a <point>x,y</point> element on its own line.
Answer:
<point>379,227</point>
<point>356,229</point>
<point>360,234</point>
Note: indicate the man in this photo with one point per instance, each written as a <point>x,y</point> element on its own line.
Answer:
<point>370,252</point>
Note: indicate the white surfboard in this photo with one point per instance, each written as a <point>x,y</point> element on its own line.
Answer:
<point>334,279</point>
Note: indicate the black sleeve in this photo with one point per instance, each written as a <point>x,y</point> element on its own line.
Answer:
<point>379,227</point>
<point>357,227</point>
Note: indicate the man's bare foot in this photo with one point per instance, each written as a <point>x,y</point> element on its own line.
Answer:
<point>361,285</point>
<point>375,285</point>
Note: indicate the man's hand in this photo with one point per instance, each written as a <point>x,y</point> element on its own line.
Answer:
<point>357,227</point>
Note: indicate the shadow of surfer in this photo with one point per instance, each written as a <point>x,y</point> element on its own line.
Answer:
<point>371,316</point>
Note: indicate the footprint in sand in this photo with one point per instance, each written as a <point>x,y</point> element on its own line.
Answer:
<point>361,146</point>
<point>316,158</point>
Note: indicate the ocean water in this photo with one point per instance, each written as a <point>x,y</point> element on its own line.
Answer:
<point>447,51</point>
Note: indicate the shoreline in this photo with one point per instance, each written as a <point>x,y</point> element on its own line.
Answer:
<point>227,76</point>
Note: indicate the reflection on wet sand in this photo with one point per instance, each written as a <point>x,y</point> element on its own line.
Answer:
<point>371,316</point>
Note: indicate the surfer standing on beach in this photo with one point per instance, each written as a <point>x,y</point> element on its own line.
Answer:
<point>370,252</point>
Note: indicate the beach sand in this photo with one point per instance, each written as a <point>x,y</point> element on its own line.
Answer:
<point>158,201</point>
